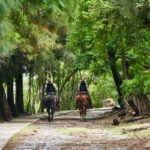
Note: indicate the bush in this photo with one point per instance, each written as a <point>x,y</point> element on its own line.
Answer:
<point>139,85</point>
<point>102,88</point>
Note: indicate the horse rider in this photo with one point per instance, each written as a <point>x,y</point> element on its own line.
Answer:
<point>83,89</point>
<point>50,89</point>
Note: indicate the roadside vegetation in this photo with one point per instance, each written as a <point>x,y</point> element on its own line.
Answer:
<point>104,42</point>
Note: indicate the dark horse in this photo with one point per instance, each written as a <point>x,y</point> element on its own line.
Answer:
<point>82,103</point>
<point>50,102</point>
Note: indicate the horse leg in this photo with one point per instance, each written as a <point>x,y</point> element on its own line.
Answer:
<point>48,110</point>
<point>52,114</point>
<point>80,114</point>
<point>84,113</point>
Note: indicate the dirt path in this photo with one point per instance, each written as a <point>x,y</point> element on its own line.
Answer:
<point>67,132</point>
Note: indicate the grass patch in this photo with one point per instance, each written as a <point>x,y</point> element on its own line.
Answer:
<point>119,128</point>
<point>132,134</point>
<point>23,132</point>
<point>74,130</point>
<point>139,134</point>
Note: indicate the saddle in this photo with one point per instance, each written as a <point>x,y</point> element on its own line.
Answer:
<point>53,100</point>
<point>51,93</point>
<point>83,92</point>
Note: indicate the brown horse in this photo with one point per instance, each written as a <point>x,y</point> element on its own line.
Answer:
<point>51,103</point>
<point>82,103</point>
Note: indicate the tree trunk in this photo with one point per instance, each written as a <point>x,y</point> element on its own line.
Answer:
<point>10,96</point>
<point>0,103</point>
<point>29,95</point>
<point>124,65</point>
<point>34,98</point>
<point>58,79</point>
<point>116,75</point>
<point>73,93</point>
<point>6,112</point>
<point>41,95</point>
<point>65,81</point>
<point>19,94</point>
<point>140,104</point>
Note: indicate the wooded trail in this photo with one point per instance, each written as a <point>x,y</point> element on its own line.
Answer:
<point>67,132</point>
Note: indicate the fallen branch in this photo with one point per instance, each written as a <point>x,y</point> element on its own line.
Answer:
<point>108,114</point>
<point>135,118</point>
<point>141,127</point>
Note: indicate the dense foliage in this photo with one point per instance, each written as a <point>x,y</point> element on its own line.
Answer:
<point>105,42</point>
<point>114,35</point>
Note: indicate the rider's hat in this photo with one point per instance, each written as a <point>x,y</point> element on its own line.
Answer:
<point>48,80</point>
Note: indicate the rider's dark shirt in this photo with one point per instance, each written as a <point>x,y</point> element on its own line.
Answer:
<point>83,87</point>
<point>50,88</point>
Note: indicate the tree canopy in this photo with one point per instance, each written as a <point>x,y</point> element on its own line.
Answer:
<point>104,41</point>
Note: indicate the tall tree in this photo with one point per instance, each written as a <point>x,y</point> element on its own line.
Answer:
<point>6,44</point>
<point>112,33</point>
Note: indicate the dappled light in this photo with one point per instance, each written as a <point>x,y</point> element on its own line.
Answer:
<point>66,63</point>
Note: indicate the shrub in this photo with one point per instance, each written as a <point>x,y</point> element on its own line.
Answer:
<point>139,85</point>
